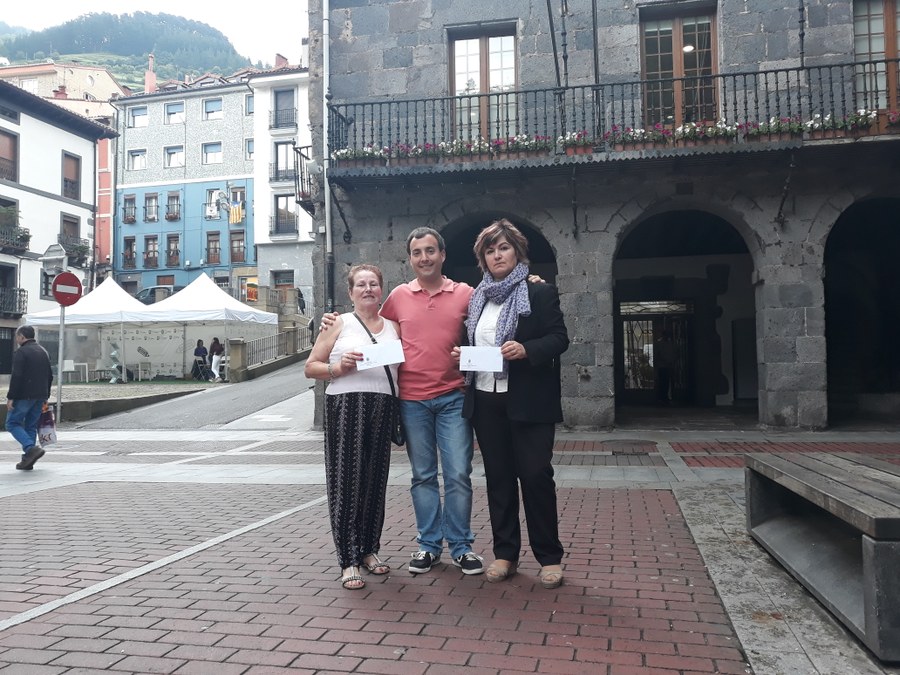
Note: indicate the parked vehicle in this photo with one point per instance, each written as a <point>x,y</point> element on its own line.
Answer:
<point>152,294</point>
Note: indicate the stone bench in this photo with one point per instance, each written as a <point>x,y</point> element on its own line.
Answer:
<point>833,521</point>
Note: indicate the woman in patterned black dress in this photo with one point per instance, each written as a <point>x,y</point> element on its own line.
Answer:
<point>359,407</point>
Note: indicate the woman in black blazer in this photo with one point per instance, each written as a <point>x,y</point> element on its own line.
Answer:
<point>514,412</point>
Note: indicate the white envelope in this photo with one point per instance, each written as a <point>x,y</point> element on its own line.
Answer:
<point>481,359</point>
<point>381,354</point>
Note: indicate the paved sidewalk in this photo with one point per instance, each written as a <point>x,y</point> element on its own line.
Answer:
<point>210,552</point>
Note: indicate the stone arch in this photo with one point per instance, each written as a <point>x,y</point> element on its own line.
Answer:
<point>686,270</point>
<point>862,324</point>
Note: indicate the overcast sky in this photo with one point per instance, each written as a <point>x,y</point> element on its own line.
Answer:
<point>257,29</point>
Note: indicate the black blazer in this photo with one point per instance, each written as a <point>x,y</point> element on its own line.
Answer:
<point>534,389</point>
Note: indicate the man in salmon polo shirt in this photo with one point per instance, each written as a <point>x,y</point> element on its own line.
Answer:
<point>430,310</point>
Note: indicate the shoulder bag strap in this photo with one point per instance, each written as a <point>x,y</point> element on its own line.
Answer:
<point>374,341</point>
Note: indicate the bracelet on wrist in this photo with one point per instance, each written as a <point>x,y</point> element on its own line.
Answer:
<point>330,372</point>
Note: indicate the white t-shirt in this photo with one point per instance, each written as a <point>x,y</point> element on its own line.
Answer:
<point>352,337</point>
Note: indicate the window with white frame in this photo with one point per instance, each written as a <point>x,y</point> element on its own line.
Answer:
<point>151,207</point>
<point>137,160</point>
<point>248,149</point>
<point>212,109</point>
<point>248,104</point>
<point>175,112</point>
<point>212,153</point>
<point>137,117</point>
<point>174,156</point>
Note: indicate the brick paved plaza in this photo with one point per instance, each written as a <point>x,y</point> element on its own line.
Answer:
<point>211,552</point>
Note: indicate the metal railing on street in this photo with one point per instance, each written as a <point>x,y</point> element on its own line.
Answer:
<point>265,349</point>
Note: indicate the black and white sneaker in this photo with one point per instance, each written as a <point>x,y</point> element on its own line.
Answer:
<point>422,562</point>
<point>470,563</point>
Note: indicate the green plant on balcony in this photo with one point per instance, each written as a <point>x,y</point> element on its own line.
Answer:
<point>574,139</point>
<point>819,123</point>
<point>719,129</point>
<point>522,143</point>
<point>791,126</point>
<point>463,148</point>
<point>367,153</point>
<point>689,131</point>
<point>858,119</point>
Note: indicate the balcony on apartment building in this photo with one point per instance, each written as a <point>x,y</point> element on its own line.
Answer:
<point>173,212</point>
<point>284,224</point>
<point>71,188</point>
<point>9,169</point>
<point>173,257</point>
<point>282,174</point>
<point>13,302</point>
<point>213,256</point>
<point>128,260</point>
<point>555,128</point>
<point>303,178</point>
<point>285,118</point>
<point>14,239</point>
<point>77,249</point>
<point>151,214</point>
<point>151,259</point>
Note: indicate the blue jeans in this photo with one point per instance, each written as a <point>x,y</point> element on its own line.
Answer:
<point>22,421</point>
<point>433,426</point>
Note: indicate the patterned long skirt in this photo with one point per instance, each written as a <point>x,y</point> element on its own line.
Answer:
<point>357,460</point>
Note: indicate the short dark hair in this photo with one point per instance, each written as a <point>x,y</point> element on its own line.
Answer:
<point>26,332</point>
<point>500,229</point>
<point>420,232</point>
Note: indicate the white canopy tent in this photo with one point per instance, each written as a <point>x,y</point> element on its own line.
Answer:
<point>157,339</point>
<point>109,303</point>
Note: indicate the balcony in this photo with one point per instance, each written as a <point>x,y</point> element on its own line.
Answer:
<point>14,239</point>
<point>128,260</point>
<point>559,127</point>
<point>9,169</point>
<point>77,249</point>
<point>173,213</point>
<point>303,179</point>
<point>238,255</point>
<point>129,215</point>
<point>151,214</point>
<point>71,188</point>
<point>13,302</point>
<point>283,119</point>
<point>173,257</point>
<point>283,224</point>
<point>281,174</point>
<point>213,256</point>
<point>151,259</point>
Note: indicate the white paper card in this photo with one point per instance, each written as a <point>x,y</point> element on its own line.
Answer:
<point>381,354</point>
<point>481,359</point>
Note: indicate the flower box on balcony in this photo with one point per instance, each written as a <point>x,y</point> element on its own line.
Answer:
<point>129,220</point>
<point>171,216</point>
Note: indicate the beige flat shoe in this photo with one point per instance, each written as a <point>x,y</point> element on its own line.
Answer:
<point>497,571</point>
<point>551,576</point>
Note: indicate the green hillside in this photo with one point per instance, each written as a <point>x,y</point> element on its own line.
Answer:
<point>122,43</point>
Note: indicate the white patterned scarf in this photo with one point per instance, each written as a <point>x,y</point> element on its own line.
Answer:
<point>513,288</point>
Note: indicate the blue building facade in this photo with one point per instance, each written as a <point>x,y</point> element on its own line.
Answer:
<point>184,186</point>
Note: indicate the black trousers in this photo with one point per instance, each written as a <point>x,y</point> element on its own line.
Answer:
<point>518,454</point>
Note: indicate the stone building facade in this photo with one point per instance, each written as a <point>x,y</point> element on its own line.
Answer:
<point>732,156</point>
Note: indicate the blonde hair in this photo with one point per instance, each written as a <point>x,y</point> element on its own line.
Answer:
<point>356,269</point>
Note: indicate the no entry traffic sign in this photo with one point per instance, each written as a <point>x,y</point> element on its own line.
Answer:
<point>66,289</point>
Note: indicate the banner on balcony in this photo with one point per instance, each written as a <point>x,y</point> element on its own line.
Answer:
<point>236,213</point>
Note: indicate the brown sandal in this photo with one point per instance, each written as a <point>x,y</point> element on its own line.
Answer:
<point>496,573</point>
<point>551,576</point>
<point>376,566</point>
<point>352,581</point>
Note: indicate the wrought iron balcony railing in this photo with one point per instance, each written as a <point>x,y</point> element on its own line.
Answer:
<point>173,257</point>
<point>285,223</point>
<point>151,213</point>
<point>238,255</point>
<point>213,256</point>
<point>71,188</point>
<point>9,169</point>
<point>303,179</point>
<point>278,174</point>
<point>151,259</point>
<point>13,302</point>
<point>173,213</point>
<point>785,105</point>
<point>128,261</point>
<point>283,119</point>
<point>14,239</point>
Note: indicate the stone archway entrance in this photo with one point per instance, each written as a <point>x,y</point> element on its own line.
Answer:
<point>460,237</point>
<point>684,316</point>
<point>862,296</point>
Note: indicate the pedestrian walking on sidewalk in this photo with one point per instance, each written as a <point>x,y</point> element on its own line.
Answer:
<point>29,389</point>
<point>514,411</point>
<point>216,352</point>
<point>359,409</point>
